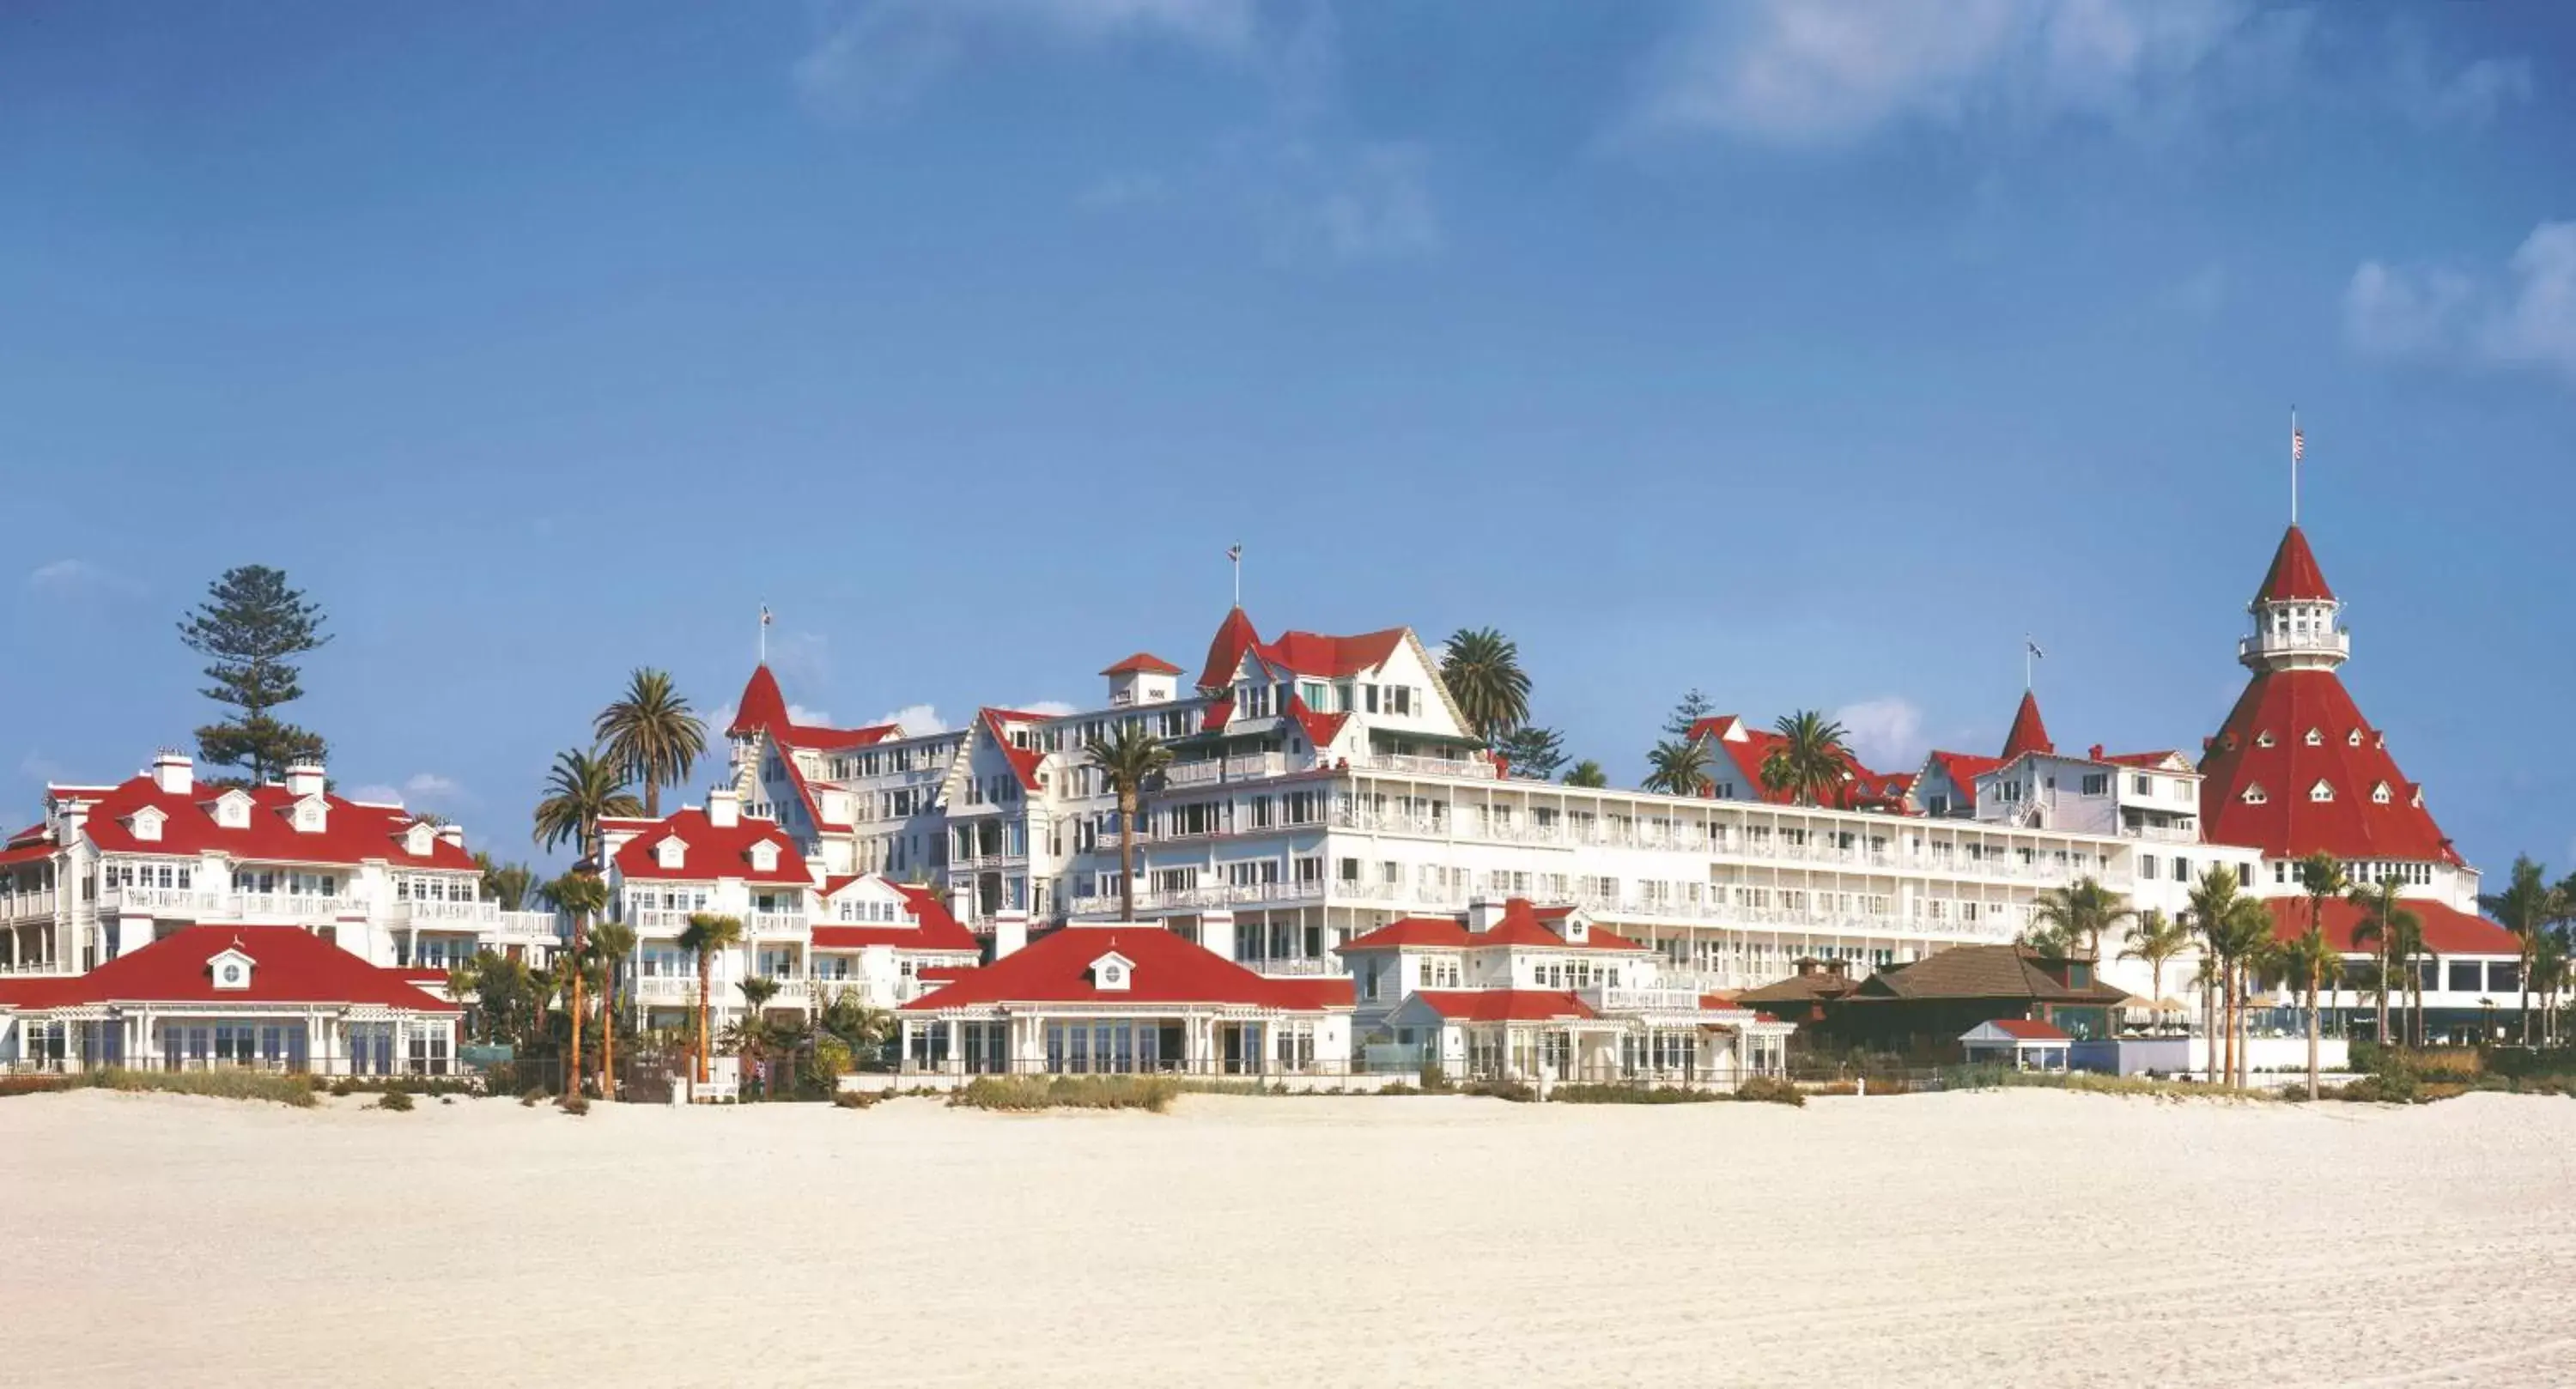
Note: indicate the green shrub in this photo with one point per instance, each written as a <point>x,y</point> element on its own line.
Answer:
<point>343,1088</point>
<point>1024,1093</point>
<point>1516,1091</point>
<point>398,1101</point>
<point>35,1084</point>
<point>1771,1090</point>
<point>1633,1094</point>
<point>575,1105</point>
<point>857,1099</point>
<point>531,1098</point>
<point>1433,1080</point>
<point>223,1085</point>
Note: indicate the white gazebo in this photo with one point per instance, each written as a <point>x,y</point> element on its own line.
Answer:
<point>2027,1044</point>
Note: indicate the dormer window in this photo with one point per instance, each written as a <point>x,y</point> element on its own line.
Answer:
<point>232,811</point>
<point>2263,739</point>
<point>764,857</point>
<point>2315,739</point>
<point>1112,973</point>
<point>2417,800</point>
<point>2379,794</point>
<point>670,853</point>
<point>146,824</point>
<point>417,840</point>
<point>2254,794</point>
<point>2353,740</point>
<point>231,970</point>
<point>2321,792</point>
<point>1577,930</point>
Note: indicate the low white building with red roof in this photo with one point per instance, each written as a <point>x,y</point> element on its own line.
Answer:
<point>110,869</point>
<point>265,997</point>
<point>812,934</point>
<point>1133,999</point>
<point>1510,990</point>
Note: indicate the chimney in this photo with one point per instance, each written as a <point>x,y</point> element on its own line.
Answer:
<point>305,779</point>
<point>452,836</point>
<point>1840,969</point>
<point>2094,752</point>
<point>724,807</point>
<point>174,772</point>
<point>1483,914</point>
<point>1808,965</point>
<point>1010,932</point>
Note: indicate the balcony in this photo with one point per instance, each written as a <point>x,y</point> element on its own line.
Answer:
<point>1199,898</point>
<point>1610,999</point>
<point>267,906</point>
<point>2334,646</point>
<point>26,906</point>
<point>1252,767</point>
<point>431,915</point>
<point>1460,768</point>
<point>774,926</point>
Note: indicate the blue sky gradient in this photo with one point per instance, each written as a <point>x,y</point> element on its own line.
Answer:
<point>1748,347</point>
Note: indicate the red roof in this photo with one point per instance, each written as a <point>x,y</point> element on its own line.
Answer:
<point>2294,576</point>
<point>36,852</point>
<point>1311,653</point>
<point>1862,786</point>
<point>2447,930</point>
<point>288,965</point>
<point>2029,1030</point>
<point>1963,769</point>
<point>2028,733</point>
<point>761,708</point>
<point>1219,713</point>
<point>764,710</point>
<point>352,833</point>
<point>1521,925</point>
<point>1024,761</point>
<point>934,927</point>
<point>1504,1005</point>
<point>1234,636</point>
<point>1165,970</point>
<point>30,835</point>
<point>709,852</point>
<point>1320,728</point>
<point>1143,663</point>
<point>2286,705</point>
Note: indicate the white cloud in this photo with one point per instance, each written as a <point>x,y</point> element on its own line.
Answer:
<point>35,766</point>
<point>1119,192</point>
<point>1806,72</point>
<point>1371,201</point>
<point>377,793</point>
<point>1886,733</point>
<point>2522,318</point>
<point>916,719</point>
<point>1044,708</point>
<point>78,578</point>
<point>875,58</point>
<point>430,786</point>
<point>798,713</point>
<point>2430,90</point>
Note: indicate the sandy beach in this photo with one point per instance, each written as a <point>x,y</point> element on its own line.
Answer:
<point>2001,1238</point>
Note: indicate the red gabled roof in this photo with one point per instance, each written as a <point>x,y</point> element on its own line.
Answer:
<point>1521,925</point>
<point>288,965</point>
<point>764,710</point>
<point>2447,930</point>
<point>2028,733</point>
<point>1320,728</point>
<point>2286,704</point>
<point>1504,1005</point>
<point>2140,759</point>
<point>32,834</point>
<point>1218,714</point>
<point>1312,653</point>
<point>352,833</point>
<point>711,852</point>
<point>1024,761</point>
<point>1143,663</point>
<point>2294,576</point>
<point>933,928</point>
<point>1861,786</point>
<point>1234,636</point>
<point>1166,970</point>
<point>761,708</point>
<point>1963,769</point>
<point>2029,1030</point>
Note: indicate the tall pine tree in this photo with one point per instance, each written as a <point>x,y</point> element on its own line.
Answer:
<point>252,625</point>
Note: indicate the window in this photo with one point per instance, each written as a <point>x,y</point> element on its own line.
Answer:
<point>2146,865</point>
<point>2097,784</point>
<point>2254,794</point>
<point>2182,869</point>
<point>2379,794</point>
<point>2465,977</point>
<point>2263,739</point>
<point>2321,792</point>
<point>2244,875</point>
<point>2314,739</point>
<point>2143,785</point>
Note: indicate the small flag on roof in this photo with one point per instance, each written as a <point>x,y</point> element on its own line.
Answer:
<point>765,618</point>
<point>2298,445</point>
<point>2034,648</point>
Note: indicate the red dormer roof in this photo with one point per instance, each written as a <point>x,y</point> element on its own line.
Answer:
<point>1320,728</point>
<point>1963,769</point>
<point>1521,925</point>
<point>1504,1005</point>
<point>1166,970</point>
<point>288,965</point>
<point>2283,707</point>
<point>2028,733</point>
<point>932,927</point>
<point>1143,663</point>
<point>1024,761</point>
<point>709,852</point>
<point>1234,637</point>
<point>1311,653</point>
<point>1216,716</point>
<point>352,832</point>
<point>2294,576</point>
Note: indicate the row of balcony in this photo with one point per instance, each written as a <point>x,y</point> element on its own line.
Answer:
<point>1749,850</point>
<point>772,925</point>
<point>486,918</point>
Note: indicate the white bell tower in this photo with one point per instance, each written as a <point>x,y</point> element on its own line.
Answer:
<point>2298,622</point>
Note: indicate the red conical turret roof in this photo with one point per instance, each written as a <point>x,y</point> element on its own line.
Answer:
<point>2294,576</point>
<point>2028,733</point>
<point>1225,654</point>
<point>2267,782</point>
<point>761,706</point>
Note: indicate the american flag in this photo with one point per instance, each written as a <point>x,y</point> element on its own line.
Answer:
<point>2298,444</point>
<point>2034,648</point>
<point>765,618</point>
<point>1234,552</point>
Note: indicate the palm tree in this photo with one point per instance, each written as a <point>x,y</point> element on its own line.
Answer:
<point>2234,932</point>
<point>463,983</point>
<point>651,736</point>
<point>2406,942</point>
<point>2256,938</point>
<point>581,791</point>
<point>2308,957</point>
<point>2155,940</point>
<point>707,935</point>
<point>611,942</point>
<point>2078,914</point>
<point>579,894</point>
<point>2525,907</point>
<point>1678,767</point>
<point>1129,759</point>
<point>1813,762</point>
<point>2212,898</point>
<point>1482,669</point>
<point>751,1035</point>
<point>2381,910</point>
<point>505,883</point>
<point>1587,773</point>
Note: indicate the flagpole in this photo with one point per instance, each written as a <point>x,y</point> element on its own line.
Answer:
<point>2294,465</point>
<point>764,634</point>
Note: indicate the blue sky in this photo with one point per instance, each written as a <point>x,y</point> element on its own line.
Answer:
<point>1754,347</point>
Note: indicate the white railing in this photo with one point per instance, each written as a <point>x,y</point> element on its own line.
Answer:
<point>1289,968</point>
<point>295,905</point>
<point>2336,643</point>
<point>1221,895</point>
<point>540,925</point>
<point>177,900</point>
<point>1613,999</point>
<point>38,967</point>
<point>661,919</point>
<point>26,905</point>
<point>683,988</point>
<point>2167,834</point>
<point>421,912</point>
<point>1428,766</point>
<point>773,925</point>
